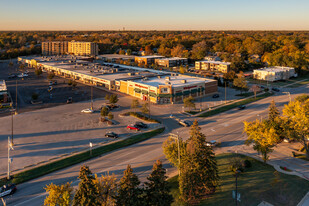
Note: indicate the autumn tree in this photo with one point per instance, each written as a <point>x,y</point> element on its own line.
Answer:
<point>148,50</point>
<point>182,69</point>
<point>273,112</point>
<point>198,170</point>
<point>38,71</point>
<point>240,83</point>
<point>296,122</point>
<point>262,136</point>
<point>189,102</point>
<point>50,75</point>
<point>87,192</point>
<point>104,111</point>
<point>199,50</point>
<point>157,191</point>
<point>113,99</point>
<point>107,189</point>
<point>145,108</point>
<point>178,51</point>
<point>134,104</point>
<point>59,195</point>
<point>129,192</point>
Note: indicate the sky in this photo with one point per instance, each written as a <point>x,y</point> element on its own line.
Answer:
<point>154,14</point>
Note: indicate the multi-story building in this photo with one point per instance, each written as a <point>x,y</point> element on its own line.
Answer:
<point>54,48</point>
<point>83,48</point>
<point>212,58</point>
<point>171,62</point>
<point>274,73</point>
<point>214,66</point>
<point>147,60</point>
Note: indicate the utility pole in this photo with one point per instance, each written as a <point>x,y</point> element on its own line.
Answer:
<point>16,99</point>
<point>91,98</point>
<point>225,90</point>
<point>12,126</point>
<point>148,105</point>
<point>176,137</point>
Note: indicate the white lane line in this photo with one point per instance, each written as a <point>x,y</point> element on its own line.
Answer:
<point>31,199</point>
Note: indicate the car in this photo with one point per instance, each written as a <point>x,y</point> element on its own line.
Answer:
<point>111,135</point>
<point>241,107</point>
<point>215,96</point>
<point>141,125</point>
<point>12,76</point>
<point>50,88</point>
<point>211,143</point>
<point>50,83</point>
<point>69,100</point>
<point>87,111</point>
<point>26,72</point>
<point>275,89</point>
<point>55,83</point>
<point>22,75</point>
<point>184,123</point>
<point>133,127</point>
<point>8,189</point>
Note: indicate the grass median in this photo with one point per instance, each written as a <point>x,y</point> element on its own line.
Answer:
<point>81,157</point>
<point>234,105</point>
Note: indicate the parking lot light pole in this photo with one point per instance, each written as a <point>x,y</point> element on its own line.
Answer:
<point>91,98</point>
<point>16,99</point>
<point>176,137</point>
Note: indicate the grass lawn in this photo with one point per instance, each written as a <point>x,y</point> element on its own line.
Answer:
<point>234,105</point>
<point>255,184</point>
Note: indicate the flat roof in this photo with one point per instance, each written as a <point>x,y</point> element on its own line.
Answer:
<point>116,56</point>
<point>2,85</point>
<point>175,81</point>
<point>150,56</point>
<point>274,69</point>
<point>174,58</point>
<point>215,62</point>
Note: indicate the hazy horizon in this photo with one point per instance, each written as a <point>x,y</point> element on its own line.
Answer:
<point>137,15</point>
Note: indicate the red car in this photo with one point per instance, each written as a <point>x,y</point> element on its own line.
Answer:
<point>133,127</point>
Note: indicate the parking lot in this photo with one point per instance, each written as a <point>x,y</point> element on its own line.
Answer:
<point>31,84</point>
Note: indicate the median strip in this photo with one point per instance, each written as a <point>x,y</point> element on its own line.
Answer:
<point>81,157</point>
<point>234,105</point>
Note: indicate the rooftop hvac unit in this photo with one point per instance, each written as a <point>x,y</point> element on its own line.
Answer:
<point>183,81</point>
<point>167,78</point>
<point>159,77</point>
<point>167,82</point>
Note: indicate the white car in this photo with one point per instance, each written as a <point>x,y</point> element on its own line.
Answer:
<point>22,75</point>
<point>212,143</point>
<point>88,111</point>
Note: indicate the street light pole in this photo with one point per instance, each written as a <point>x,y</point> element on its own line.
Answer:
<point>12,126</point>
<point>176,137</point>
<point>16,99</point>
<point>225,90</point>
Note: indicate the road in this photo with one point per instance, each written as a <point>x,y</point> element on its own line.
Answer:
<point>225,127</point>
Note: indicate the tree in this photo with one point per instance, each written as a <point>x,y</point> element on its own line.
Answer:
<point>182,69</point>
<point>122,52</point>
<point>59,195</point>
<point>273,112</point>
<point>129,192</point>
<point>230,76</point>
<point>240,83</point>
<point>107,97</point>
<point>87,192</point>
<point>170,150</point>
<point>255,89</point>
<point>178,51</point>
<point>50,75</point>
<point>70,82</point>
<point>134,104</point>
<point>74,84</point>
<point>157,189</point>
<point>129,52</point>
<point>113,99</point>
<point>110,116</point>
<point>199,172</point>
<point>148,50</point>
<point>199,50</point>
<point>107,188</point>
<point>296,122</point>
<point>104,111</point>
<point>38,71</point>
<point>145,108</point>
<point>262,136</point>
<point>189,102</point>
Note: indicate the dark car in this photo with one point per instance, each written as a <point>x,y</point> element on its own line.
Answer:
<point>275,89</point>
<point>185,123</point>
<point>141,125</point>
<point>111,135</point>
<point>215,96</point>
<point>7,190</point>
<point>69,100</point>
<point>241,107</point>
<point>12,76</point>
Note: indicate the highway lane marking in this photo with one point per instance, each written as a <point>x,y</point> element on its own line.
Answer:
<point>31,199</point>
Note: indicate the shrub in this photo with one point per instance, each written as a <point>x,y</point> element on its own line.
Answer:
<point>35,96</point>
<point>236,164</point>
<point>247,164</point>
<point>70,82</point>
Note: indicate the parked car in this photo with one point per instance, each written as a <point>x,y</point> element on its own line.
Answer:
<point>141,125</point>
<point>215,96</point>
<point>26,72</point>
<point>69,100</point>
<point>12,76</point>
<point>185,123</point>
<point>55,83</point>
<point>8,189</point>
<point>275,89</point>
<point>111,135</point>
<point>22,75</point>
<point>241,107</point>
<point>50,83</point>
<point>133,127</point>
<point>211,143</point>
<point>87,111</point>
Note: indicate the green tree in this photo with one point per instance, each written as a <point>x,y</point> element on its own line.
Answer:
<point>129,51</point>
<point>198,169</point>
<point>170,150</point>
<point>273,112</point>
<point>145,108</point>
<point>107,97</point>
<point>134,104</point>
<point>157,189</point>
<point>189,102</point>
<point>199,50</point>
<point>296,122</point>
<point>262,136</point>
<point>104,111</point>
<point>182,69</point>
<point>129,192</point>
<point>113,99</point>
<point>59,195</point>
<point>108,188</point>
<point>240,83</point>
<point>110,116</point>
<point>178,51</point>
<point>87,192</point>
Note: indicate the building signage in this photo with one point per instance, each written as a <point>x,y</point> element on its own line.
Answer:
<point>190,87</point>
<point>140,86</point>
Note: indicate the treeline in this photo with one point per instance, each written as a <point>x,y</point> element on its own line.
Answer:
<point>245,49</point>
